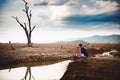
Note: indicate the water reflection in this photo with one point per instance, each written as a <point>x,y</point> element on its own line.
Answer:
<point>50,72</point>
<point>28,73</point>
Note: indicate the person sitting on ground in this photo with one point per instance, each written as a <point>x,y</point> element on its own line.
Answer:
<point>82,52</point>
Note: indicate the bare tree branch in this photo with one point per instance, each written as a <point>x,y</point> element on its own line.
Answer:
<point>25,26</point>
<point>24,10</point>
<point>18,21</point>
<point>30,14</point>
<point>25,1</point>
<point>33,28</point>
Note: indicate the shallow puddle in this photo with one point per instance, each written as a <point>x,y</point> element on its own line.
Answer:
<point>49,72</point>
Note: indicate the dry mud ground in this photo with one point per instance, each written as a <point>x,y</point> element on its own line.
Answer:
<point>93,69</point>
<point>37,53</point>
<point>47,52</point>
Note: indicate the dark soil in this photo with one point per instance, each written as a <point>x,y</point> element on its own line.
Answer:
<point>93,69</point>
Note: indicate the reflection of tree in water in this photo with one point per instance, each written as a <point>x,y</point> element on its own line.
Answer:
<point>28,73</point>
<point>29,63</point>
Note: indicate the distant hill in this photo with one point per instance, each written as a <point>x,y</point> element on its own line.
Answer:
<point>73,42</point>
<point>95,39</point>
<point>102,39</point>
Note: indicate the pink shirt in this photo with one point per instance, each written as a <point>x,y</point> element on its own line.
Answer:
<point>79,54</point>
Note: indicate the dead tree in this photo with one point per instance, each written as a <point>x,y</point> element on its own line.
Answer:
<point>27,28</point>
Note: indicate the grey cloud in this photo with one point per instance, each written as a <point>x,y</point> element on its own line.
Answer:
<point>43,3</point>
<point>88,19</point>
<point>56,3</point>
<point>118,1</point>
<point>60,2</point>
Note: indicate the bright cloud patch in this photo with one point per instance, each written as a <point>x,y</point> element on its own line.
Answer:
<point>58,12</point>
<point>107,6</point>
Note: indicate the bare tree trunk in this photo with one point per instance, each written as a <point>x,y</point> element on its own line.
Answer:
<point>29,41</point>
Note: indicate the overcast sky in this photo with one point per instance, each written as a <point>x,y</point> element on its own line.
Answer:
<point>58,20</point>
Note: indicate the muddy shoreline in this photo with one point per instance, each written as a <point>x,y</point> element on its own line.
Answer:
<point>93,69</point>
